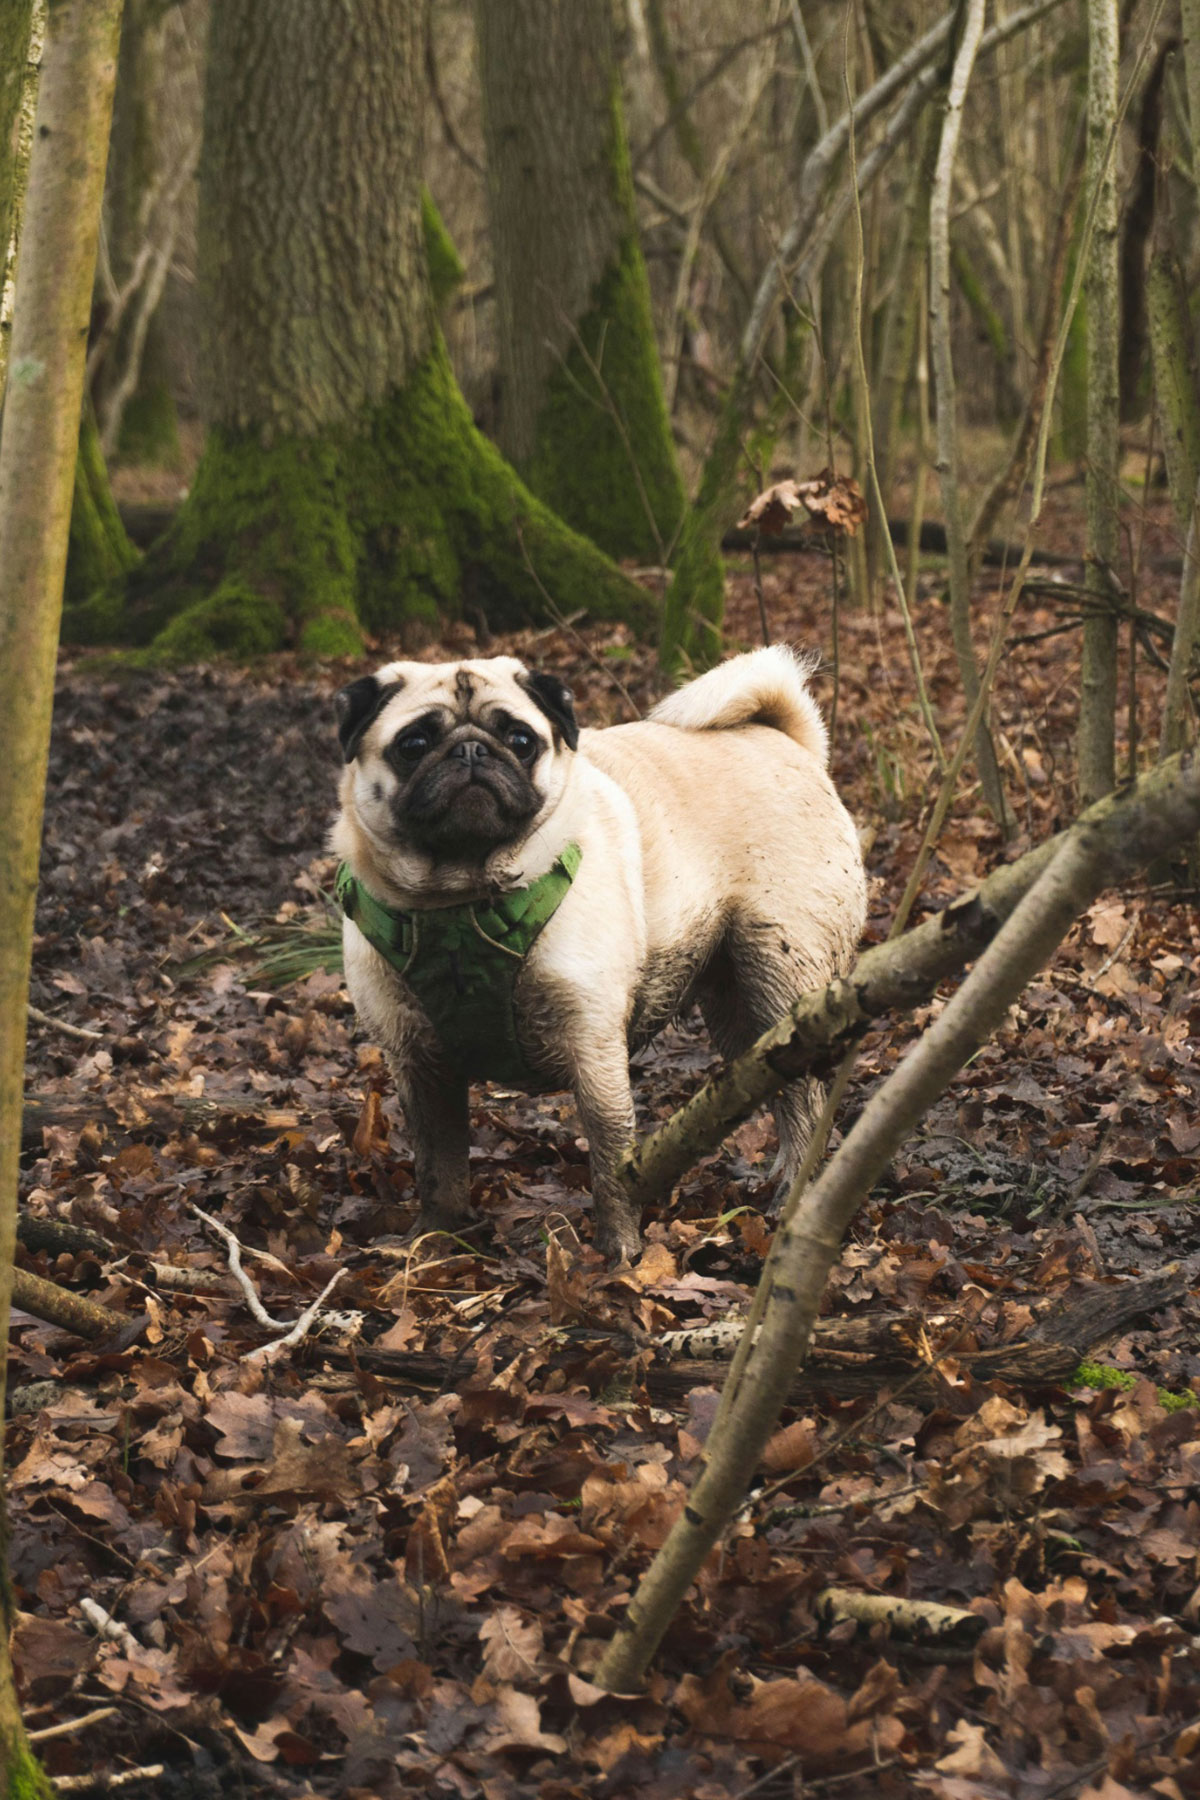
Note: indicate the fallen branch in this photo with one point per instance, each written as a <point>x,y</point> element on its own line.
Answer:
<point>267,1353</point>
<point>249,1291</point>
<point>59,1306</point>
<point>165,1116</point>
<point>901,974</point>
<point>799,539</point>
<point>108,1784</point>
<point>67,1727</point>
<point>64,1026</point>
<point>810,1234</point>
<point>917,1619</point>
<point>293,1334</point>
<point>37,1232</point>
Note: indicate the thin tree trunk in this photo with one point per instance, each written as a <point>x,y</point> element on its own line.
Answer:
<point>583,416</point>
<point>1189,13</point>
<point>1098,672</point>
<point>959,569</point>
<point>16,23</point>
<point>692,612</point>
<point>37,460</point>
<point>1177,393</point>
<point>815,1220</point>
<point>16,19</point>
<point>1178,732</point>
<point>343,485</point>
<point>131,389</point>
<point>1012,476</point>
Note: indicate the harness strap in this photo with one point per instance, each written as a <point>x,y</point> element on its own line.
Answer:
<point>462,963</point>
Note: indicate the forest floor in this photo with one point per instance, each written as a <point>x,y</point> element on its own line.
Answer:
<point>389,1564</point>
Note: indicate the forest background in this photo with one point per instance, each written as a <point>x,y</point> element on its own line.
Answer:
<point>336,332</point>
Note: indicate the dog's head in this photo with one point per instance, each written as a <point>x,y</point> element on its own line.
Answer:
<point>454,760</point>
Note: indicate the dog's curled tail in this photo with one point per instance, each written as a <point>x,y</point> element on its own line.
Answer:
<point>763,687</point>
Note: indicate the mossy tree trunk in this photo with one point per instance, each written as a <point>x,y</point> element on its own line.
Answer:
<point>16,19</point>
<point>37,457</point>
<point>343,483</point>
<point>582,411</point>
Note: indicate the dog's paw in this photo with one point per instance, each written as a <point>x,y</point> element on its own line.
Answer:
<point>617,1236</point>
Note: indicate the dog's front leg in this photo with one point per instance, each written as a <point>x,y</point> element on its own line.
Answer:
<point>438,1119</point>
<point>605,1101</point>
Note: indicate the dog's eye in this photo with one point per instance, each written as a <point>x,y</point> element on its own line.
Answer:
<point>412,746</point>
<point>522,743</point>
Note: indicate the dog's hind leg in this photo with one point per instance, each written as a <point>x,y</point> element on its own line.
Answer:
<point>745,990</point>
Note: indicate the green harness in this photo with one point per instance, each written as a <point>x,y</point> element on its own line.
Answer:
<point>462,963</point>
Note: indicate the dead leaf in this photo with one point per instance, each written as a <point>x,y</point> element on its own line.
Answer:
<point>512,1645</point>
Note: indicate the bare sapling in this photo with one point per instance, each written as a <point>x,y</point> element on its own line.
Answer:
<point>814,1221</point>
<point>37,470</point>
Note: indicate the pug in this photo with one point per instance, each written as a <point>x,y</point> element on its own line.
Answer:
<point>528,901</point>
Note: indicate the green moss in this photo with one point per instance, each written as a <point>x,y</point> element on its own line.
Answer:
<point>331,634</point>
<point>150,426</point>
<point>603,455</point>
<point>413,518</point>
<point>22,1776</point>
<point>235,621</point>
<point>99,553</point>
<point>446,269</point>
<point>1103,1375</point>
<point>446,524</point>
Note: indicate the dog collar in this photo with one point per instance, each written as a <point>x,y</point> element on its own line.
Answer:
<point>462,963</point>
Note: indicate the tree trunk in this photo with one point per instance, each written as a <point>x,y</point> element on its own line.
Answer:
<point>16,21</point>
<point>37,460</point>
<point>1098,674</point>
<point>582,410</point>
<point>1177,392</point>
<point>343,483</point>
<point>16,18</point>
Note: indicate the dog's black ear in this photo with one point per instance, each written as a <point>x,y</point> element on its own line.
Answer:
<point>356,706</point>
<point>556,700</point>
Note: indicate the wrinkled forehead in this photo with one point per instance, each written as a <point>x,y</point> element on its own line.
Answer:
<point>460,692</point>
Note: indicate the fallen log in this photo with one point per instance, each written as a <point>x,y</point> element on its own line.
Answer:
<point>60,1306</point>
<point>849,1357</point>
<point>165,1114</point>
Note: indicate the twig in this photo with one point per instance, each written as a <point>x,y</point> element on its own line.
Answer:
<point>82,1784</point>
<point>105,1626</point>
<point>239,1274</point>
<point>68,1726</point>
<point>902,973</point>
<point>64,1026</point>
<point>300,1330</point>
<point>1078,1776</point>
